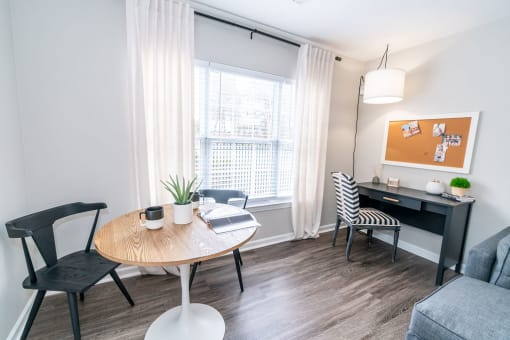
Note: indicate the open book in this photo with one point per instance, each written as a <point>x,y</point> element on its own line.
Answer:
<point>223,218</point>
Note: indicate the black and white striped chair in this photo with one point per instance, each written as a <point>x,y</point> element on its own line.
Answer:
<point>356,218</point>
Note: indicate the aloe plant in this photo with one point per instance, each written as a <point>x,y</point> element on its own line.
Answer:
<point>180,189</point>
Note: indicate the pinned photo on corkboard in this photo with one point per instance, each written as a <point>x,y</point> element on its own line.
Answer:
<point>452,140</point>
<point>438,129</point>
<point>440,154</point>
<point>410,129</point>
<point>441,142</point>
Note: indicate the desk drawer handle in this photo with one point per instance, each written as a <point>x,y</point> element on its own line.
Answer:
<point>394,200</point>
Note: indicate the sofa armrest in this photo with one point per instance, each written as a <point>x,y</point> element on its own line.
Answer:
<point>482,257</point>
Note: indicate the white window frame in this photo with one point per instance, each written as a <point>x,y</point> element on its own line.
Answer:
<point>255,204</point>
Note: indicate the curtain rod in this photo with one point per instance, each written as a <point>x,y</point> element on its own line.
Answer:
<point>252,30</point>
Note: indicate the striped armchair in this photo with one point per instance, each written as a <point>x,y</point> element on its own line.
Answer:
<point>356,218</point>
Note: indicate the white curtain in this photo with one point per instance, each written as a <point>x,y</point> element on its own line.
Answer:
<point>160,36</point>
<point>313,93</point>
<point>160,40</point>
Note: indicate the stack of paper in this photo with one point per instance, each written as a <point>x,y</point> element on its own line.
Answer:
<point>458,198</point>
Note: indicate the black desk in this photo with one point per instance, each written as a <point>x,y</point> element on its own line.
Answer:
<point>428,212</point>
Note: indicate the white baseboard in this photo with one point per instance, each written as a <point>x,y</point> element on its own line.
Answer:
<point>124,271</point>
<point>327,227</point>
<point>267,241</point>
<point>17,329</point>
<point>412,248</point>
<point>462,268</point>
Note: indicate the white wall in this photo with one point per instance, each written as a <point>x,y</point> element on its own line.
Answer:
<point>71,71</point>
<point>224,44</point>
<point>12,193</point>
<point>342,122</point>
<point>463,73</point>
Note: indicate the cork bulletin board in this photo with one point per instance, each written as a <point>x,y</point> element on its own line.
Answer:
<point>438,142</point>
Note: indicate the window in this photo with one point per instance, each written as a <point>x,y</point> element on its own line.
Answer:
<point>243,130</point>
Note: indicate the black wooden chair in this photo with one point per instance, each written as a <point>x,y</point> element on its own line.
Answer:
<point>73,273</point>
<point>224,196</point>
<point>356,218</point>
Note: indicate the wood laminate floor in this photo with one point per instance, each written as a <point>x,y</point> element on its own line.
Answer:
<point>293,290</point>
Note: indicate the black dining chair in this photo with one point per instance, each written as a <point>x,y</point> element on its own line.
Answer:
<point>73,273</point>
<point>224,196</point>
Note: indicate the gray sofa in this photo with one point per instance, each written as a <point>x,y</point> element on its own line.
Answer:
<point>474,306</point>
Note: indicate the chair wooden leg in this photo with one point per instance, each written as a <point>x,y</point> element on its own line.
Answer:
<point>238,268</point>
<point>336,231</point>
<point>73,311</point>
<point>193,271</point>
<point>352,231</point>
<point>121,286</point>
<point>395,243</point>
<point>347,234</point>
<point>33,313</point>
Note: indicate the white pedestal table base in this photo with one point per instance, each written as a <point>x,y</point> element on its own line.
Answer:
<point>189,321</point>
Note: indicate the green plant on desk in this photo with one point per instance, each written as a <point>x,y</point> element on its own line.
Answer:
<point>460,182</point>
<point>459,185</point>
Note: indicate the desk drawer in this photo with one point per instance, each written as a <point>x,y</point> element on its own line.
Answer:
<point>401,201</point>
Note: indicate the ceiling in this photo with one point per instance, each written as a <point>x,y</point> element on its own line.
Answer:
<point>361,28</point>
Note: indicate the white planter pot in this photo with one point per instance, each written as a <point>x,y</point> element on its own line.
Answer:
<point>183,213</point>
<point>458,191</point>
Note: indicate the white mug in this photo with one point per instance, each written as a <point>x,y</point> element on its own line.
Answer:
<point>153,217</point>
<point>152,224</point>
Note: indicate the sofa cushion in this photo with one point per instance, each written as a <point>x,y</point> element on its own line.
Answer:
<point>501,273</point>
<point>464,308</point>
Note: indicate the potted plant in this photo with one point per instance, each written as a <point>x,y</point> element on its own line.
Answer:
<point>180,190</point>
<point>459,185</point>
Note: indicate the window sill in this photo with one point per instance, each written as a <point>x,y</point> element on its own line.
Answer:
<point>269,204</point>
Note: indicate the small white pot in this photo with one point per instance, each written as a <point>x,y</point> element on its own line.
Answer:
<point>458,191</point>
<point>434,188</point>
<point>183,213</point>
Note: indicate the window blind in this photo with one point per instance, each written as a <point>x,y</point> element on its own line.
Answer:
<point>243,130</point>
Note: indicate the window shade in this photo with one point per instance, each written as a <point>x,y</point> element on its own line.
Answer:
<point>244,130</point>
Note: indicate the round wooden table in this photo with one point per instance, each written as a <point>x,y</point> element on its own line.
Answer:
<point>124,240</point>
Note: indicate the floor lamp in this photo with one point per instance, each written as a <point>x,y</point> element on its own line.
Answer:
<point>380,86</point>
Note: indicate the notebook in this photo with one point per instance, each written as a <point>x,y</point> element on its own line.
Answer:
<point>224,218</point>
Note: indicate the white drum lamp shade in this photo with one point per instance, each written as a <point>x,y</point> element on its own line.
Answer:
<point>384,86</point>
